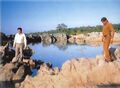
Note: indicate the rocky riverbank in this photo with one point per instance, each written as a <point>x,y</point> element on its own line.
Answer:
<point>89,38</point>
<point>93,37</point>
<point>43,37</point>
<point>13,73</point>
<point>78,73</point>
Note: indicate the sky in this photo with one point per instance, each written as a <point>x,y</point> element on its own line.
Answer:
<point>39,15</point>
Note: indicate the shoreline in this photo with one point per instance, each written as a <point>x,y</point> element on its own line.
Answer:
<point>92,37</point>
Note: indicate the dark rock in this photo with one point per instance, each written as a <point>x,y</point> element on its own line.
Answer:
<point>6,54</point>
<point>20,74</point>
<point>49,65</point>
<point>115,53</point>
<point>28,52</point>
<point>33,38</point>
<point>10,37</point>
<point>2,37</point>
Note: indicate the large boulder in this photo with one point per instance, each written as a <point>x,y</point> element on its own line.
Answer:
<point>46,38</point>
<point>60,37</point>
<point>33,38</point>
<point>6,72</point>
<point>12,74</point>
<point>6,75</point>
<point>115,53</point>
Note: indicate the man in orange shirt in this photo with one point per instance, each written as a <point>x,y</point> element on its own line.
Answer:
<point>107,38</point>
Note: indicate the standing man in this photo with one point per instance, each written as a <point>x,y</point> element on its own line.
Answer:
<point>107,38</point>
<point>19,44</point>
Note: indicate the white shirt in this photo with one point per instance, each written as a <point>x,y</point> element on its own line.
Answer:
<point>20,38</point>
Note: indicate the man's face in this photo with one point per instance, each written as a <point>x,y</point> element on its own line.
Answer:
<point>104,22</point>
<point>19,31</point>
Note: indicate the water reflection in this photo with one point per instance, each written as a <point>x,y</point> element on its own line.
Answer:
<point>57,53</point>
<point>61,45</point>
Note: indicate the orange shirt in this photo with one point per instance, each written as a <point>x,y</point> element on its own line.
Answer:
<point>107,29</point>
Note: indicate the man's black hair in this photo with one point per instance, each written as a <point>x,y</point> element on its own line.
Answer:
<point>103,19</point>
<point>19,28</point>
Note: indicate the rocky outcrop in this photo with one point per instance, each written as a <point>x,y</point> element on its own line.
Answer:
<point>12,72</point>
<point>6,54</point>
<point>78,73</point>
<point>93,37</point>
<point>47,38</point>
<point>60,37</point>
<point>33,38</point>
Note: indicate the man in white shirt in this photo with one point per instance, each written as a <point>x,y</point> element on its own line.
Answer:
<point>20,43</point>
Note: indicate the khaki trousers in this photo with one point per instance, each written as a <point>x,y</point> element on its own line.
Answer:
<point>19,49</point>
<point>106,44</point>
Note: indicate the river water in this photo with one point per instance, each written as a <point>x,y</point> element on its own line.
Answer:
<point>58,54</point>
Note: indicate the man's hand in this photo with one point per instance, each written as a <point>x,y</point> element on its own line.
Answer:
<point>111,41</point>
<point>24,47</point>
<point>103,39</point>
<point>13,46</point>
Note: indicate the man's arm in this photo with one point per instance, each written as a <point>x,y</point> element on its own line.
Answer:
<point>112,32</point>
<point>25,41</point>
<point>102,38</point>
<point>14,43</point>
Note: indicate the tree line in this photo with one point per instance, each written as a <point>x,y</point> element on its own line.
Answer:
<point>62,28</point>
